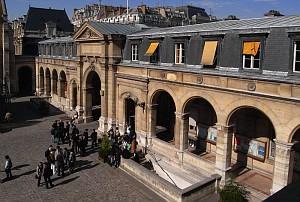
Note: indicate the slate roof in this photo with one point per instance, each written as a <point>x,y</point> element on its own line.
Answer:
<point>113,29</point>
<point>37,17</point>
<point>67,39</point>
<point>244,24</point>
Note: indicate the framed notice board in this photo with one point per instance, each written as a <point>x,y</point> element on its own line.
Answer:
<point>252,147</point>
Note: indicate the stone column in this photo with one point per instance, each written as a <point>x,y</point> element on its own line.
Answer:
<point>283,165</point>
<point>181,131</point>
<point>52,86</point>
<point>87,104</point>
<point>152,111</point>
<point>103,126</point>
<point>223,152</point>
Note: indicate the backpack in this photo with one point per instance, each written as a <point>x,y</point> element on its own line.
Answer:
<point>9,164</point>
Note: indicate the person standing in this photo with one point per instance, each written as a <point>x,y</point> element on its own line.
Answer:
<point>8,167</point>
<point>72,159</point>
<point>39,173</point>
<point>94,138</point>
<point>59,161</point>
<point>47,173</point>
<point>86,137</point>
<point>67,133</point>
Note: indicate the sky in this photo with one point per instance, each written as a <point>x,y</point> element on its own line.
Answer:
<point>219,8</point>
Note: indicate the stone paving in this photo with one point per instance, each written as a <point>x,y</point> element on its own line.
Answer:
<point>92,181</point>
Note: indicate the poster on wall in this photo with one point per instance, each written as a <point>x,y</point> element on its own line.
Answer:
<point>212,135</point>
<point>253,148</point>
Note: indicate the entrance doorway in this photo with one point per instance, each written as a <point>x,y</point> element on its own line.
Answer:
<point>130,113</point>
<point>25,81</point>
<point>93,96</point>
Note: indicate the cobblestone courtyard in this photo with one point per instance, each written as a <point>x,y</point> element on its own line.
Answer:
<point>92,181</point>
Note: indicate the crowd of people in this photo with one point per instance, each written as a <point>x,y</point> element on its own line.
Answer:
<point>60,161</point>
<point>122,145</point>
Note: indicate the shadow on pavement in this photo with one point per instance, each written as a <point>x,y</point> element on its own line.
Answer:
<point>67,181</point>
<point>20,166</point>
<point>83,165</point>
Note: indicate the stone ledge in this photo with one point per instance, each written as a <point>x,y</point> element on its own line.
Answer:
<point>166,189</point>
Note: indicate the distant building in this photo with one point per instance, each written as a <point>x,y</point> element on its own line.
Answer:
<point>38,24</point>
<point>231,17</point>
<point>143,14</point>
<point>94,12</point>
<point>273,13</point>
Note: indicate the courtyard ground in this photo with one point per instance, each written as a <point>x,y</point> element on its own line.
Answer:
<point>26,140</point>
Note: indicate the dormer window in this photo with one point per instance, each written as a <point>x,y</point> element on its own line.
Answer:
<point>179,53</point>
<point>251,55</point>
<point>134,52</point>
<point>296,61</point>
<point>153,52</point>
<point>209,55</point>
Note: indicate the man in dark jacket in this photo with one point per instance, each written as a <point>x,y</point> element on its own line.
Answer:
<point>94,138</point>
<point>8,167</point>
<point>47,173</point>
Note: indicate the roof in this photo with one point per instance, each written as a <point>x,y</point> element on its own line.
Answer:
<point>113,29</point>
<point>37,17</point>
<point>67,39</point>
<point>244,24</point>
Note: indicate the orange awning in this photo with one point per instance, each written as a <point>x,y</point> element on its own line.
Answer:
<point>209,52</point>
<point>153,46</point>
<point>251,48</point>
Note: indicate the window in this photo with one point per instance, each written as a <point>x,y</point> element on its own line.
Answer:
<point>209,53</point>
<point>134,52</point>
<point>296,63</point>
<point>251,55</point>
<point>153,52</point>
<point>179,53</point>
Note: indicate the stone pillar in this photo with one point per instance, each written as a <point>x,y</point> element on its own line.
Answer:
<point>283,165</point>
<point>48,86</point>
<point>103,126</point>
<point>223,152</point>
<point>181,131</point>
<point>152,111</point>
<point>52,86</point>
<point>59,86</point>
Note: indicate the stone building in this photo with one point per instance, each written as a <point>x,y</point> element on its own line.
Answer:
<point>219,97</point>
<point>95,12</point>
<point>39,24</point>
<point>143,14</point>
<point>7,74</point>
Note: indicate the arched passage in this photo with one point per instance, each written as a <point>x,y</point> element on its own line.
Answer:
<point>254,146</point>
<point>48,82</point>
<point>25,81</point>
<point>41,82</point>
<point>93,96</point>
<point>73,91</point>
<point>165,116</point>
<point>54,81</point>
<point>295,158</point>
<point>130,113</point>
<point>201,131</point>
<point>63,84</point>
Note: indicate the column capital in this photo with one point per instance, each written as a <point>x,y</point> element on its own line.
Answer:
<point>152,106</point>
<point>226,128</point>
<point>181,115</point>
<point>282,144</point>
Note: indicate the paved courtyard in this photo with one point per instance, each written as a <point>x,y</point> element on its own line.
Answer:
<point>92,181</point>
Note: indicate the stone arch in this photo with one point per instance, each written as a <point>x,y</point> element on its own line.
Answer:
<point>54,81</point>
<point>234,106</point>
<point>48,82</point>
<point>199,125</point>
<point>166,89</point>
<point>164,115</point>
<point>25,80</point>
<point>41,80</point>
<point>92,95</point>
<point>63,85</point>
<point>91,68</point>
<point>73,92</point>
